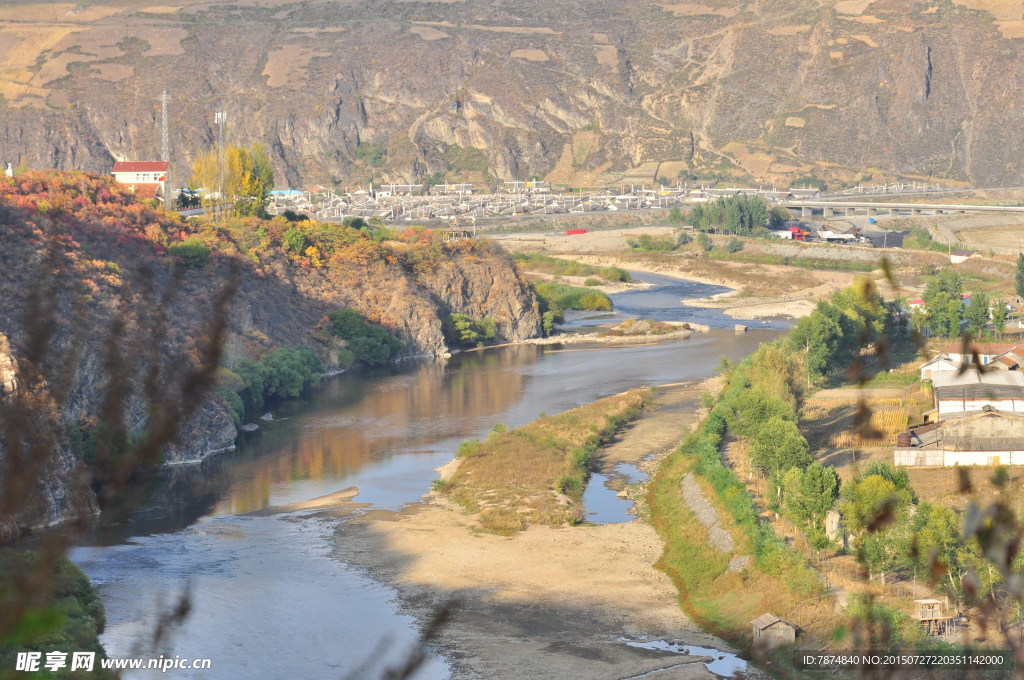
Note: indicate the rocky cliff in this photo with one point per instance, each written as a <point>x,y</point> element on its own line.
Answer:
<point>844,90</point>
<point>129,319</point>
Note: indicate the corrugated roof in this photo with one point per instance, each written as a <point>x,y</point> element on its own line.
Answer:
<point>990,348</point>
<point>973,376</point>
<point>141,166</point>
<point>765,620</point>
<point>981,391</point>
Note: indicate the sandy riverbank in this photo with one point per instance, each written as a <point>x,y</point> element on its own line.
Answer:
<point>547,602</point>
<point>604,248</point>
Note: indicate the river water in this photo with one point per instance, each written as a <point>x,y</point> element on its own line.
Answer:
<point>270,597</point>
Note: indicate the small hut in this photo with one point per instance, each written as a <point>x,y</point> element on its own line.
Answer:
<point>932,615</point>
<point>771,631</point>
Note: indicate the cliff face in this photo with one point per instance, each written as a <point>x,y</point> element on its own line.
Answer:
<point>577,92</point>
<point>122,305</point>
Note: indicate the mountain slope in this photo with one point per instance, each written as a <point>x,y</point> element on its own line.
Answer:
<point>581,92</point>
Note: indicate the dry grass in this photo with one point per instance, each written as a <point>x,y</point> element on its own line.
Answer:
<point>287,65</point>
<point>536,473</point>
<point>530,54</point>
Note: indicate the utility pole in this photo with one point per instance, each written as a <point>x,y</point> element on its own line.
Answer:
<point>220,118</point>
<point>165,145</point>
<point>165,135</point>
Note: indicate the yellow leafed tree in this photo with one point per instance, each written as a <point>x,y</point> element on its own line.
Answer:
<point>236,176</point>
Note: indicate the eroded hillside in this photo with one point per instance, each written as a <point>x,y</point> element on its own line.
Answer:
<point>579,92</point>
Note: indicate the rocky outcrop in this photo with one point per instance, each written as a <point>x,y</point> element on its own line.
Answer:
<point>119,306</point>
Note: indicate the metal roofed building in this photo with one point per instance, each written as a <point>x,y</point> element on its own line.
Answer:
<point>957,393</point>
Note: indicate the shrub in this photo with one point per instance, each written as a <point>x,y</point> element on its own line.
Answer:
<point>592,282</point>
<point>561,296</point>
<point>615,274</point>
<point>733,245</point>
<point>649,243</point>
<point>283,373</point>
<point>294,241</point>
<point>548,320</point>
<point>463,331</point>
<point>73,622</point>
<point>368,343</point>
<point>192,252</point>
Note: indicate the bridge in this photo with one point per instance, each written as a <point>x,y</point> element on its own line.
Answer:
<point>830,208</point>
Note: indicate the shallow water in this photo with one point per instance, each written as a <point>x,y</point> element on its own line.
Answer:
<point>272,596</point>
<point>601,501</point>
<point>662,302</point>
<point>722,664</point>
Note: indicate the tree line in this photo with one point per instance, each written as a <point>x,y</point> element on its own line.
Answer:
<point>743,215</point>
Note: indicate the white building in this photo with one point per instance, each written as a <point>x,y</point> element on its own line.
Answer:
<point>146,179</point>
<point>957,393</point>
<point>938,364</point>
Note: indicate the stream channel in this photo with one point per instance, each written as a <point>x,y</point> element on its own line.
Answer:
<point>270,597</point>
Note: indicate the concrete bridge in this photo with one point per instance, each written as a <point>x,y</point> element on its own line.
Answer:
<point>831,208</point>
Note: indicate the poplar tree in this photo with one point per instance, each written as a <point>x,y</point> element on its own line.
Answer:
<point>1020,275</point>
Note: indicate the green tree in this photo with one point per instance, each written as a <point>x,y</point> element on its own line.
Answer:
<point>943,299</point>
<point>977,313</point>
<point>819,337</point>
<point>865,498</point>
<point>294,240</point>
<point>1020,275</point>
<point>704,242</point>
<point>749,409</point>
<point>810,493</point>
<point>463,331</point>
<point>777,216</point>
<point>937,530</point>
<point>778,446</point>
<point>999,316</point>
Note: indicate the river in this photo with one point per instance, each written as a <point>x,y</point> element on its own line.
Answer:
<point>270,595</point>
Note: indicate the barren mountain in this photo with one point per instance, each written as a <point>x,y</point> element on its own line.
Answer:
<point>578,92</point>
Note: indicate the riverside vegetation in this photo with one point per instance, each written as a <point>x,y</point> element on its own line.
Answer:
<point>555,297</point>
<point>891,532</point>
<point>536,474</point>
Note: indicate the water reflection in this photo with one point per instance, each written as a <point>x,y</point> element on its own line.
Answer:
<point>382,431</point>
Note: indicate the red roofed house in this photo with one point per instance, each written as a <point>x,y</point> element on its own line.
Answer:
<point>146,179</point>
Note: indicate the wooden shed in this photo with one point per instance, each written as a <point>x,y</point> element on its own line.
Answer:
<point>933,616</point>
<point>771,631</point>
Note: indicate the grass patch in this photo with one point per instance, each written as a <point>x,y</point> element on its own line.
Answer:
<point>559,267</point>
<point>806,262</point>
<point>563,296</point>
<point>536,474</point>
